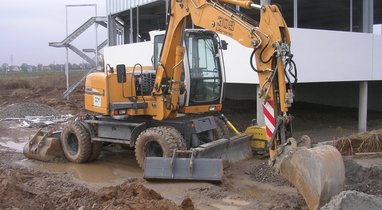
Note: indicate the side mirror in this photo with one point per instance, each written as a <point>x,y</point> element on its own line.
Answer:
<point>121,73</point>
<point>223,45</point>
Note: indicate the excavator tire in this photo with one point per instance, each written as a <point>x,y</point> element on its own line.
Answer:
<point>96,146</point>
<point>222,130</point>
<point>181,143</point>
<point>75,141</point>
<point>96,151</point>
<point>155,142</point>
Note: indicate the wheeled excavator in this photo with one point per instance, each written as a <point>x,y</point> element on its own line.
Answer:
<point>168,110</point>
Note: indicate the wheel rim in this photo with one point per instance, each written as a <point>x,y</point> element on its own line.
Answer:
<point>72,144</point>
<point>153,149</point>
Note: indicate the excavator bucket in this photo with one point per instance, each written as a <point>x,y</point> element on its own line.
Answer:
<point>205,163</point>
<point>43,146</point>
<point>318,173</point>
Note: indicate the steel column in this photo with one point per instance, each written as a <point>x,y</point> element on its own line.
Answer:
<point>367,27</point>
<point>67,54</point>
<point>362,109</point>
<point>131,24</point>
<point>96,37</point>
<point>295,13</point>
<point>138,38</point>
<point>351,16</point>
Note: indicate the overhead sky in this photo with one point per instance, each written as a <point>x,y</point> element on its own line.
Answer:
<point>27,27</point>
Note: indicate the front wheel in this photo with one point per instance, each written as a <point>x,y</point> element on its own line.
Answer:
<point>75,142</point>
<point>155,142</point>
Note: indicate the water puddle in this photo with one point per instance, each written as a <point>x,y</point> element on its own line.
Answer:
<point>230,204</point>
<point>18,147</point>
<point>113,167</point>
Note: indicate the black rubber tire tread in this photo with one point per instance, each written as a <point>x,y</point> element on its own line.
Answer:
<point>158,134</point>
<point>222,129</point>
<point>96,146</point>
<point>181,143</point>
<point>84,144</point>
<point>96,150</point>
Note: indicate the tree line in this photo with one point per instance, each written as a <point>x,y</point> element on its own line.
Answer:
<point>5,67</point>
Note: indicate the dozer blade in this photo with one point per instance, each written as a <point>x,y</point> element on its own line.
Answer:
<point>205,162</point>
<point>43,147</point>
<point>318,173</point>
<point>201,169</point>
<point>231,150</point>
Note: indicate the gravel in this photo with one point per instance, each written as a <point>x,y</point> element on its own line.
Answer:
<point>264,173</point>
<point>27,109</point>
<point>353,200</point>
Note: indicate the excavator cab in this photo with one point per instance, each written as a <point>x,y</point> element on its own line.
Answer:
<point>203,71</point>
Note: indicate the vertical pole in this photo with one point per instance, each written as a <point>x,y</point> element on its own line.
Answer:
<point>166,12</point>
<point>138,39</point>
<point>367,16</point>
<point>295,13</point>
<point>362,109</point>
<point>131,23</point>
<point>96,39</point>
<point>67,54</point>
<point>351,16</point>
<point>259,113</point>
<point>367,27</point>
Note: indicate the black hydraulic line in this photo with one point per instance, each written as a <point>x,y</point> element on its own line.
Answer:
<point>251,61</point>
<point>261,54</point>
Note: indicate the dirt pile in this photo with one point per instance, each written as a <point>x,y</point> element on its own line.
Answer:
<point>27,109</point>
<point>353,200</point>
<point>28,189</point>
<point>361,178</point>
<point>132,196</point>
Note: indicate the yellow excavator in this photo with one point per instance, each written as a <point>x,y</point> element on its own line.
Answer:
<point>168,113</point>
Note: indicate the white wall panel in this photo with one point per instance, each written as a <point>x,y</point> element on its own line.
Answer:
<point>377,57</point>
<point>327,56</point>
<point>236,61</point>
<point>321,56</point>
<point>129,54</point>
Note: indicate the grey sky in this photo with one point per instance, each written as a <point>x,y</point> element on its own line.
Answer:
<point>27,26</point>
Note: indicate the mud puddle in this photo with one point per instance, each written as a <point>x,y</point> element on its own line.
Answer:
<point>11,145</point>
<point>114,166</point>
<point>230,204</point>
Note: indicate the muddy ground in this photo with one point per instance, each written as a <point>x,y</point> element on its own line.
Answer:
<point>115,181</point>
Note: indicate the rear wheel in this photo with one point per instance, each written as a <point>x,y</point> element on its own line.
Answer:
<point>221,130</point>
<point>154,142</point>
<point>75,141</point>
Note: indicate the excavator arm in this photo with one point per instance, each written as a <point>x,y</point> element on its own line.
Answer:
<point>270,41</point>
<point>318,173</point>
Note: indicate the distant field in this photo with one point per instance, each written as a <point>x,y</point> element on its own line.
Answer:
<point>37,80</point>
